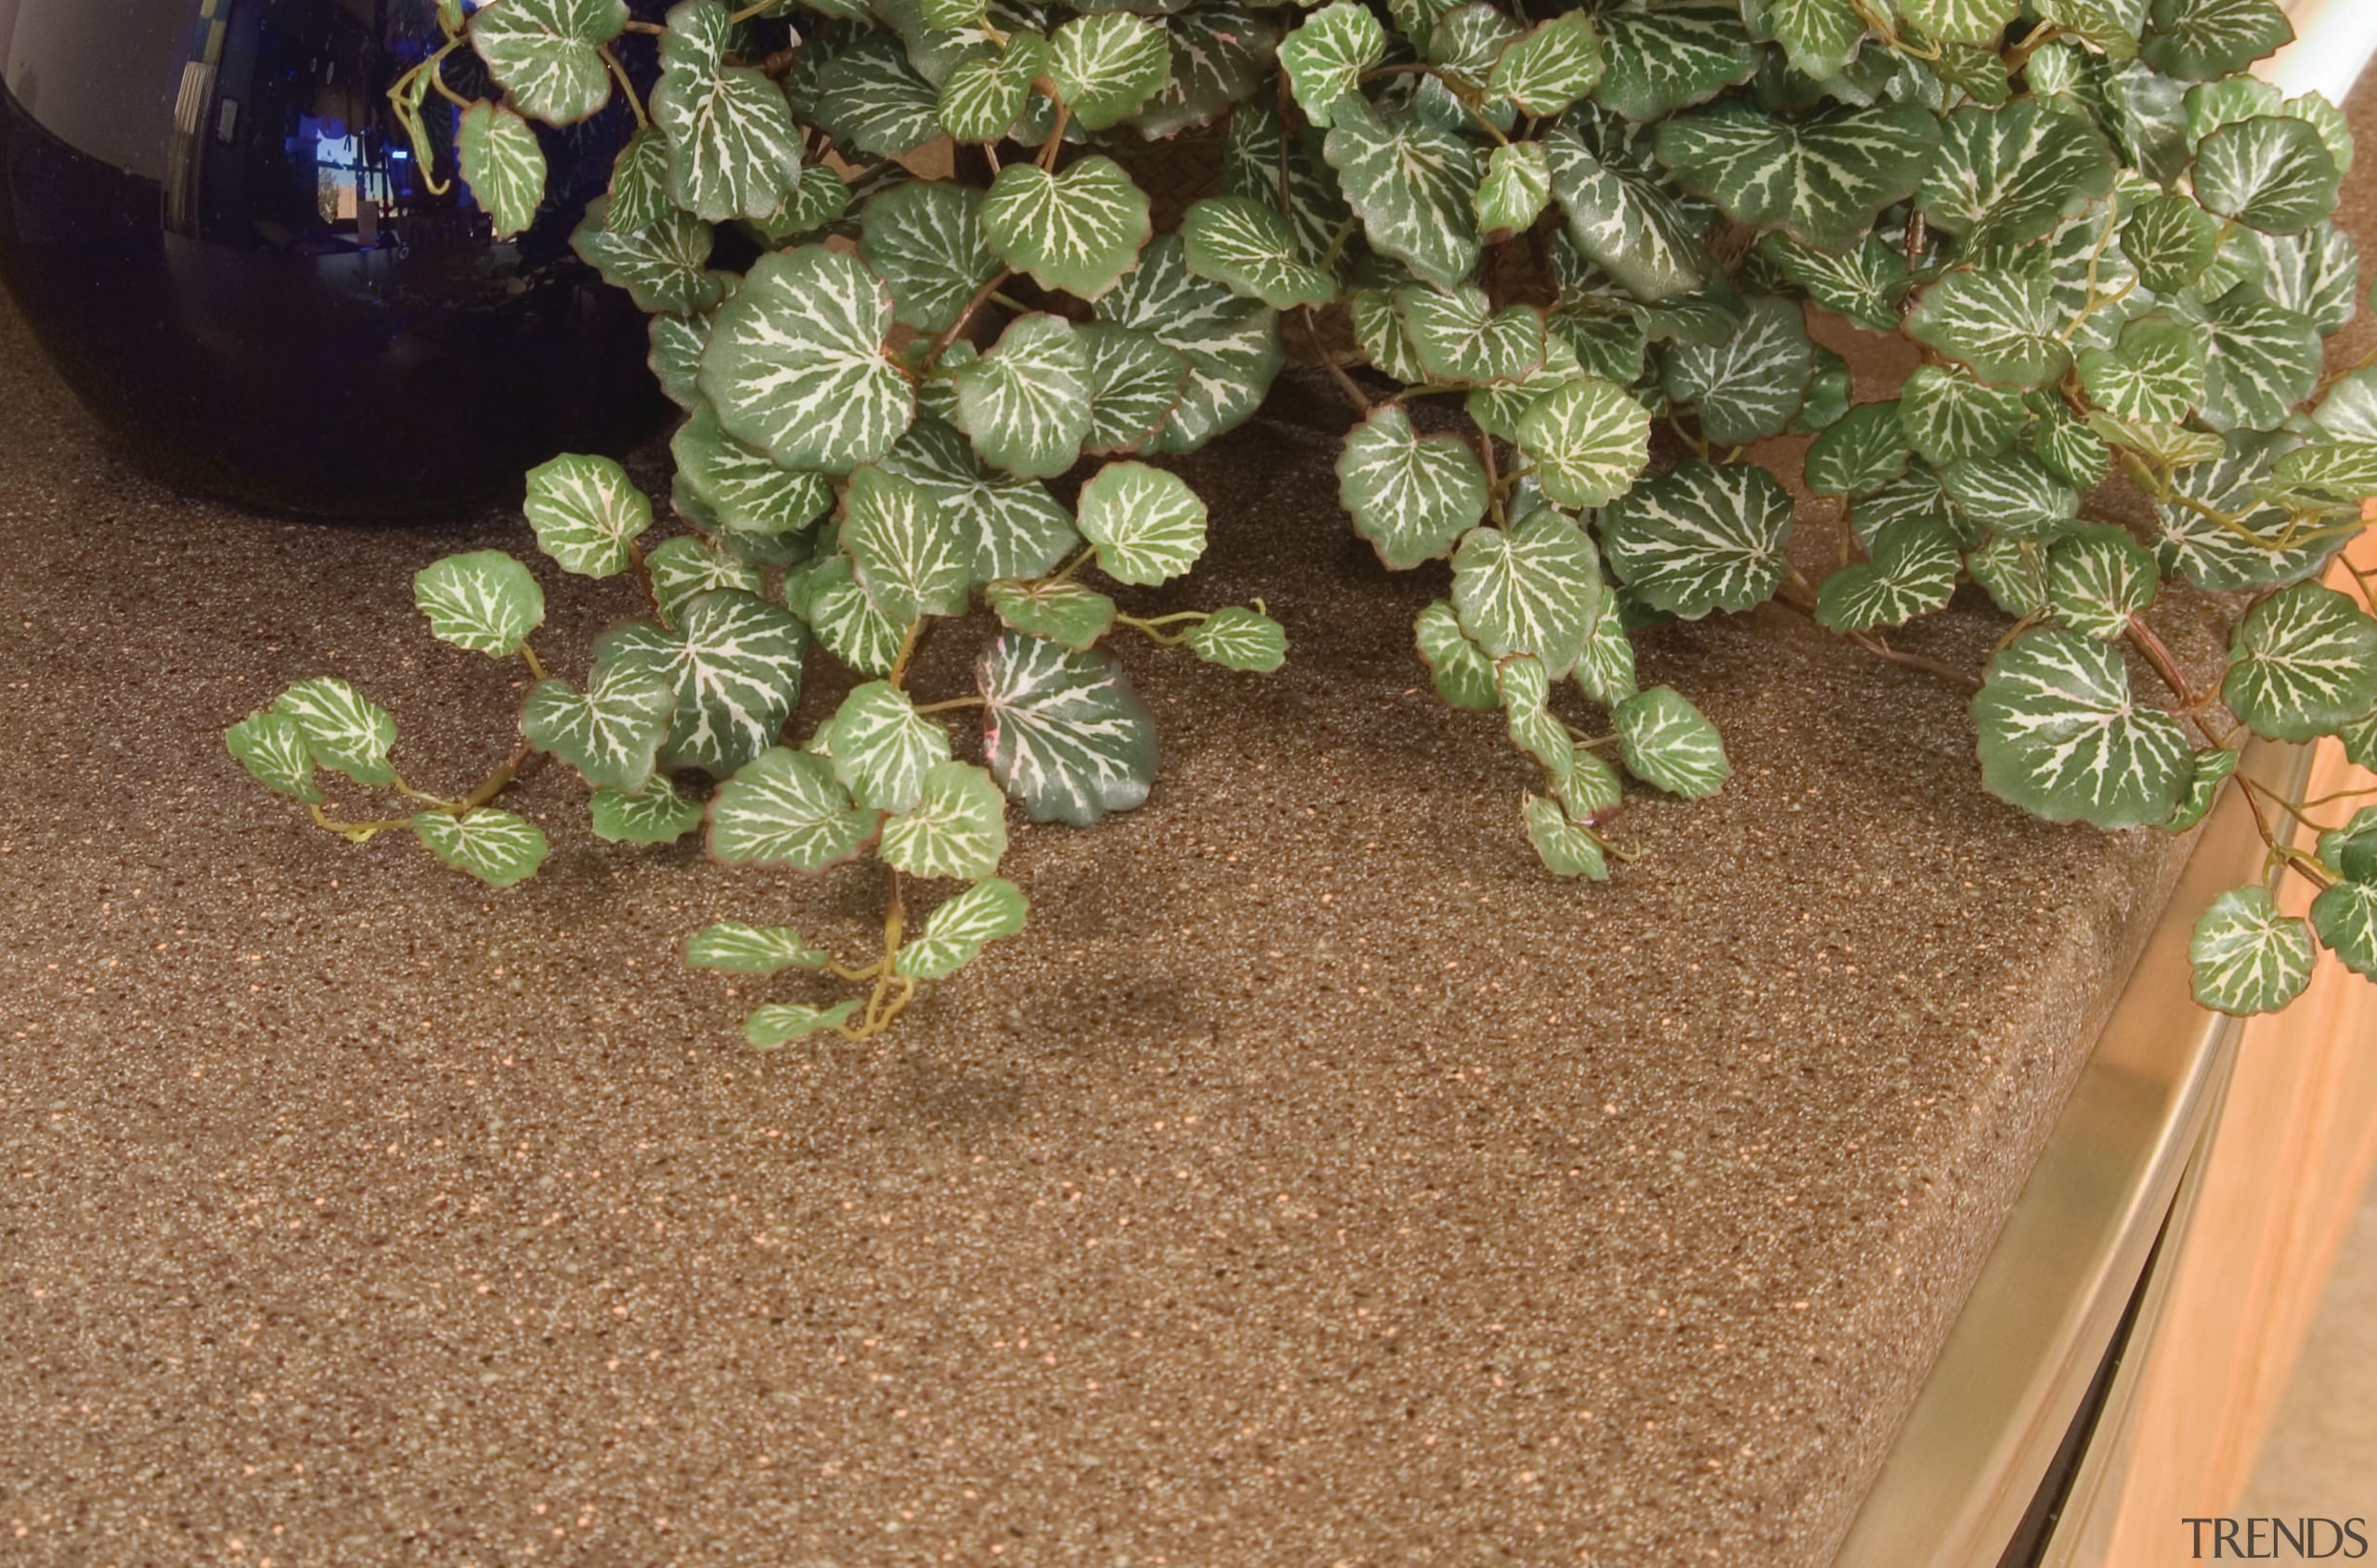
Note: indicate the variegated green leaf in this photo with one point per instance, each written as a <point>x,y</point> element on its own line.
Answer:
<point>2273,174</point>
<point>1463,675</point>
<point>2248,958</point>
<point>786,808</point>
<point>1590,442</point>
<point>684,568</point>
<point>741,484</point>
<point>1135,382</point>
<point>1606,669</point>
<point>1025,403</point>
<point>1749,385</point>
<point>1820,37</point>
<point>586,512</point>
<point>2004,326</point>
<point>1064,612</point>
<point>925,240</point>
<point>2346,918</point>
<point>1464,43</point>
<point>1378,327</point>
<point>611,732</point>
<point>484,601</point>
<point>2013,494</point>
<point>655,814</point>
<point>2206,774</point>
<point>1700,537</point>
<point>546,53</point>
<point>2171,240</point>
<point>1325,57</point>
<point>2203,40</point>
<point>1655,61</point>
<point>2348,412</point>
<point>1862,281</point>
<point>2097,579</point>
<point>1823,178</point>
<point>733,150</point>
<point>2013,572</point>
<point>1623,215</point>
<point>881,748</point>
<point>796,363</point>
<point>344,730</point>
<point>1566,848</point>
<point>745,949</point>
<point>1106,64</point>
<point>1516,188</point>
<point>1413,185</point>
<point>2261,361</point>
<point>503,165</point>
<point>1237,638</point>
<point>1146,525</point>
<point>2070,450</point>
<point>1078,230</point>
<point>2063,735</point>
<point>955,933</point>
<point>676,356</point>
<point>2156,375</point>
<point>2338,474</point>
<point>664,266</point>
<point>1231,344</point>
<point>1911,571</point>
<point>1666,743</point>
<point>1860,452</point>
<point>1949,417</point>
<point>2009,175</point>
<point>639,183</point>
<point>780,1023</point>
<point>2351,851</point>
<point>735,667</point>
<point>496,846</point>
<point>818,198</point>
<point>957,826</point>
<point>1550,67</point>
<point>1248,247</point>
<point>1524,686</point>
<point>1533,587</point>
<point>2302,663</point>
<point>1004,525</point>
<point>846,620</point>
<point>983,98</point>
<point>1061,732</point>
<point>870,99</point>
<point>272,746</point>
<point>1220,51</point>
<point>1830,391</point>
<point>1918,494</point>
<point>1959,21</point>
<point>1291,177</point>
<point>2170,446</point>
<point>1458,336</point>
<point>907,553</point>
<point>1497,407</point>
<point>2315,274</point>
<point>1411,495</point>
<point>2254,552</point>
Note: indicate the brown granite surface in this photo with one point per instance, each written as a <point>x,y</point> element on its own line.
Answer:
<point>1316,1182</point>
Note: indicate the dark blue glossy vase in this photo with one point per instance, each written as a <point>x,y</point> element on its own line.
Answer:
<point>215,225</point>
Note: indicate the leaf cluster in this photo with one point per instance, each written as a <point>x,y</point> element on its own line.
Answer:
<point>1579,252</point>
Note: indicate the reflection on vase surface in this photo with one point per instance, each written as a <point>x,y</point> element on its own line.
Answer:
<point>216,224</point>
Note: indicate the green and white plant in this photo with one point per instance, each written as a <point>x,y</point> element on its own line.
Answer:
<point>1579,249</point>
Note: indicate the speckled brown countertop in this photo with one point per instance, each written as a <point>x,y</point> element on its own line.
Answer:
<point>1316,1183</point>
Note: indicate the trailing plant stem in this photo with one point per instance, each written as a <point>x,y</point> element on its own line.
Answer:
<point>2158,653</point>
